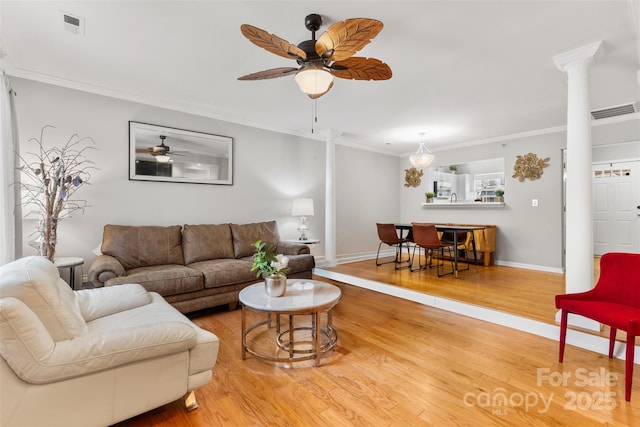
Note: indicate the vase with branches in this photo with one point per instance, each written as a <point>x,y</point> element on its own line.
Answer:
<point>51,178</point>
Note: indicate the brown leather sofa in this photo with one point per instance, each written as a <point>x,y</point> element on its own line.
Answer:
<point>192,266</point>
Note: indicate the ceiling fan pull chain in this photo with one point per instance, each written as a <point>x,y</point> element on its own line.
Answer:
<point>314,114</point>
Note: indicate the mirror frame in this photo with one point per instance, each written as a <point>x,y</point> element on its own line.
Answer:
<point>203,154</point>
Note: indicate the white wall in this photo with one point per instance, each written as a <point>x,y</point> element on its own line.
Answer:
<point>270,169</point>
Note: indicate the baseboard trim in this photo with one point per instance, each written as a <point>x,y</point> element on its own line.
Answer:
<point>344,259</point>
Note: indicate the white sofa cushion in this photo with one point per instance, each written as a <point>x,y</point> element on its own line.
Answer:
<point>100,302</point>
<point>30,280</point>
<point>36,359</point>
<point>202,355</point>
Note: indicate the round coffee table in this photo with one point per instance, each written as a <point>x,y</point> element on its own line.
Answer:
<point>296,340</point>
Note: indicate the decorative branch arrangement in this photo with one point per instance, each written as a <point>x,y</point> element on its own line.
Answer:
<point>53,177</point>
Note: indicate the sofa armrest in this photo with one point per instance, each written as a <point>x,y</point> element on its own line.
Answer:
<point>37,359</point>
<point>100,302</point>
<point>289,248</point>
<point>103,268</point>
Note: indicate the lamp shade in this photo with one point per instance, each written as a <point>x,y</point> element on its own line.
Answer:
<point>422,158</point>
<point>313,81</point>
<point>302,207</point>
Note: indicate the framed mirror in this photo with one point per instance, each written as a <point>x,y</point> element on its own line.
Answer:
<point>159,153</point>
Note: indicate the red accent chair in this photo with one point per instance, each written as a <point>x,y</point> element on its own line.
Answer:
<point>614,301</point>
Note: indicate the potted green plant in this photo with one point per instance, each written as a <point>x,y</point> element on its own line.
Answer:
<point>453,168</point>
<point>272,267</point>
<point>500,195</point>
<point>430,195</point>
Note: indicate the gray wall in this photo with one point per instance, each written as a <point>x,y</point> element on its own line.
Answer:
<point>366,193</point>
<point>270,169</point>
<point>529,237</point>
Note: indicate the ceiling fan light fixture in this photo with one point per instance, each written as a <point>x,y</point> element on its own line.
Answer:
<point>313,80</point>
<point>422,158</point>
<point>162,158</point>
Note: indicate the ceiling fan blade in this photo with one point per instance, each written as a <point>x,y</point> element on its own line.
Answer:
<point>343,39</point>
<point>272,43</point>
<point>143,150</point>
<point>270,74</point>
<point>358,68</point>
<point>320,94</point>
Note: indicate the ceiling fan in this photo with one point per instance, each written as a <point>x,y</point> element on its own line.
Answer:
<point>161,151</point>
<point>320,60</point>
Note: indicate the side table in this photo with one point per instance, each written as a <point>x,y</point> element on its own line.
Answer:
<point>70,262</point>
<point>304,242</point>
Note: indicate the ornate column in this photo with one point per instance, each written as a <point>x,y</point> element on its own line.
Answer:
<point>579,206</point>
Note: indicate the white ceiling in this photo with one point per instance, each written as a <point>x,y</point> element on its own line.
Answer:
<point>463,71</point>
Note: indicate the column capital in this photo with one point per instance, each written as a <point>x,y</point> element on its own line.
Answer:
<point>330,135</point>
<point>587,53</point>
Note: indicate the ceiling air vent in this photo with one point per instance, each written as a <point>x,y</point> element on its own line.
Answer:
<point>72,23</point>
<point>618,110</point>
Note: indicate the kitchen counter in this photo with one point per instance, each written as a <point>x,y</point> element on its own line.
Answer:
<point>463,204</point>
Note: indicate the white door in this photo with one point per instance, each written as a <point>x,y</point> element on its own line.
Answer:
<point>616,207</point>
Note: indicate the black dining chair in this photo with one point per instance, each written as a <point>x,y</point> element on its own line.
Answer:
<point>425,236</point>
<point>388,235</point>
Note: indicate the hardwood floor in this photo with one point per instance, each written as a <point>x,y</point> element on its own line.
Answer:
<point>495,287</point>
<point>400,363</point>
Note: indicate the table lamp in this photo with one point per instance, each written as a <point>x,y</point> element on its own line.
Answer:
<point>302,208</point>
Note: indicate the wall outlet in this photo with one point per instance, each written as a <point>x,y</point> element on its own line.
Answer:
<point>534,203</point>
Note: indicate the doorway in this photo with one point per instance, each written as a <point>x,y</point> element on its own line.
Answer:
<point>616,207</point>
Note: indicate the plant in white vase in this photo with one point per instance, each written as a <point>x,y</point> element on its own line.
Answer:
<point>52,176</point>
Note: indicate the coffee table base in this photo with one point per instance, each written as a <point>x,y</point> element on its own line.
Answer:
<point>297,342</point>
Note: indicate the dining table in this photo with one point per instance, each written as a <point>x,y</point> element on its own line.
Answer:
<point>454,228</point>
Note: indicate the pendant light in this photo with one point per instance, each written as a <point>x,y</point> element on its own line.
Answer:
<point>423,157</point>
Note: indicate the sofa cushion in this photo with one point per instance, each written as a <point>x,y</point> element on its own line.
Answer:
<point>36,282</point>
<point>202,353</point>
<point>245,235</point>
<point>163,279</point>
<point>206,241</point>
<point>223,272</point>
<point>143,246</point>
<point>300,263</point>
